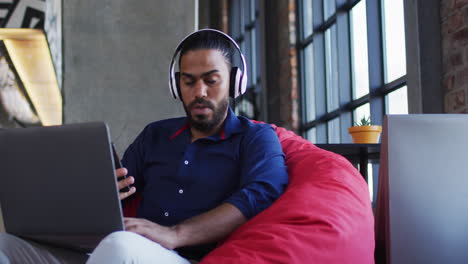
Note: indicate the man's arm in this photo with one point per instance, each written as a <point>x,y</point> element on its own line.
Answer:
<point>263,175</point>
<point>211,226</point>
<point>263,178</point>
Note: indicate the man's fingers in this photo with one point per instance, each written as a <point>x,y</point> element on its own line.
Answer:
<point>136,220</point>
<point>137,225</point>
<point>124,195</point>
<point>136,229</point>
<point>121,172</point>
<point>125,182</point>
<point>132,224</point>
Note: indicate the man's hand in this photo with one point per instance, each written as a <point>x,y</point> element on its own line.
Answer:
<point>163,235</point>
<point>208,227</point>
<point>124,183</point>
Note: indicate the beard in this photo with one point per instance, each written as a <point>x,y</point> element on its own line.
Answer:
<point>201,122</point>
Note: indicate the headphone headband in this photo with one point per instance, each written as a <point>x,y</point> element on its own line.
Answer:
<point>240,77</point>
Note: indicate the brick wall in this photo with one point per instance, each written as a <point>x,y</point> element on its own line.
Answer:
<point>454,18</point>
<point>282,85</point>
<point>288,81</point>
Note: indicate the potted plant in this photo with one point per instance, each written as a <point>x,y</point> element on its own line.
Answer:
<point>363,132</point>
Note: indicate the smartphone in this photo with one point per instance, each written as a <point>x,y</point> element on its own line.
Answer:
<point>118,165</point>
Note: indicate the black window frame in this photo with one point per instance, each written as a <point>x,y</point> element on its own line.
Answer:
<point>251,104</point>
<point>378,88</point>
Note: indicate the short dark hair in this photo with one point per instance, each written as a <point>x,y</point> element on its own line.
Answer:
<point>208,40</point>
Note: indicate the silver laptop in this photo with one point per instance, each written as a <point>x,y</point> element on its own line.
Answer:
<point>58,184</point>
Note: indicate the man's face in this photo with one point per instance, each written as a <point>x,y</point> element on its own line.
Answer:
<point>204,87</point>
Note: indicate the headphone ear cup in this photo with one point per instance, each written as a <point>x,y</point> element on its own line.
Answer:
<point>177,85</point>
<point>235,82</point>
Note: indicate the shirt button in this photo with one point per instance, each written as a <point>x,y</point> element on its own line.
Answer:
<point>181,191</point>
<point>166,214</point>
<point>186,162</point>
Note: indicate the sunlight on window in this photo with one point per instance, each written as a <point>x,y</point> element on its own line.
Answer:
<point>361,112</point>
<point>394,39</point>
<point>328,8</point>
<point>307,17</point>
<point>309,82</point>
<point>370,180</point>
<point>397,101</point>
<point>360,73</point>
<point>331,64</point>
<point>334,131</point>
<point>311,135</point>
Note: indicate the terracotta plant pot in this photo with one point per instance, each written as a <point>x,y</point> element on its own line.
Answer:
<point>365,134</point>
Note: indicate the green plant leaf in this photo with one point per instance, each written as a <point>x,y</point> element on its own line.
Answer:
<point>365,121</point>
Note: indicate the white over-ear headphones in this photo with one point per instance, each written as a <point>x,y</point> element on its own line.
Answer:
<point>238,77</point>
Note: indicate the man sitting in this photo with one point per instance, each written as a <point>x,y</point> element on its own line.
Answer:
<point>199,177</point>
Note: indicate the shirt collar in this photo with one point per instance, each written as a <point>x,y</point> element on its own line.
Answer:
<point>182,129</point>
<point>231,126</point>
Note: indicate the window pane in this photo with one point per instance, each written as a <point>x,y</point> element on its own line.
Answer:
<point>334,131</point>
<point>253,57</point>
<point>331,65</point>
<point>236,61</point>
<point>245,108</point>
<point>309,88</point>
<point>370,180</point>
<point>248,55</point>
<point>321,133</point>
<point>307,17</point>
<point>311,135</point>
<point>359,56</point>
<point>258,49</point>
<point>329,7</point>
<point>234,15</point>
<point>397,101</point>
<point>361,112</point>
<point>246,11</point>
<point>394,39</point>
<point>253,6</point>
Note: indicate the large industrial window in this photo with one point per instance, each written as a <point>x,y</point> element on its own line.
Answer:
<point>244,28</point>
<point>352,64</point>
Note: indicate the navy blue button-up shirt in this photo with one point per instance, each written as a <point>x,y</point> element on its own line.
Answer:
<point>177,179</point>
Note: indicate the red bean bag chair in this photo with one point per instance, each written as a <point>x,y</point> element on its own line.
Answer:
<point>324,216</point>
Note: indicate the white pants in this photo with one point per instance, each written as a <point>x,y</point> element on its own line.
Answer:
<point>127,247</point>
<point>119,247</point>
